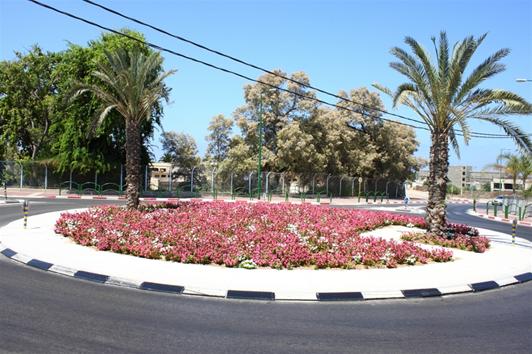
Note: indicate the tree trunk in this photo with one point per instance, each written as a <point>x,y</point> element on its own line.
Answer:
<point>132,164</point>
<point>438,167</point>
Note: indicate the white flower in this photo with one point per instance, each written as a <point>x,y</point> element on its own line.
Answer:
<point>248,264</point>
<point>410,225</point>
<point>411,259</point>
<point>292,228</point>
<point>387,256</point>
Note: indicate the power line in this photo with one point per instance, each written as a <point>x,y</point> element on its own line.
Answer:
<point>157,47</point>
<point>251,65</point>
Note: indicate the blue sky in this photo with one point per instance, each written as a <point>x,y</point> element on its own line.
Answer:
<point>340,44</point>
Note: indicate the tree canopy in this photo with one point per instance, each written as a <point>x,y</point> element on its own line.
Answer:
<point>38,121</point>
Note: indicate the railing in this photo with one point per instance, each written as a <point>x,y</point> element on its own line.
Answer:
<point>202,181</point>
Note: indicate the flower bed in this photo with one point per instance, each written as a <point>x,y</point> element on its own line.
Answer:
<point>247,235</point>
<point>459,236</point>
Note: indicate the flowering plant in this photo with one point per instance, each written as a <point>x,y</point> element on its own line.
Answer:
<point>247,235</point>
<point>465,242</point>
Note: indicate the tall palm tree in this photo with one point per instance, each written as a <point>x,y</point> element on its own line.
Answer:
<point>446,100</point>
<point>130,83</point>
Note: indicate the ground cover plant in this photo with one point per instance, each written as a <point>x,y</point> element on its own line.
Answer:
<point>459,236</point>
<point>248,235</point>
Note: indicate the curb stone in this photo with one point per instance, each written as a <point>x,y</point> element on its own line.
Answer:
<point>266,295</point>
<point>496,218</point>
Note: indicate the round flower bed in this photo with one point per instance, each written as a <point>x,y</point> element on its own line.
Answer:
<point>248,235</point>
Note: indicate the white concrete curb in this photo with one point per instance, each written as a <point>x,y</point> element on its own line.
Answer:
<point>39,247</point>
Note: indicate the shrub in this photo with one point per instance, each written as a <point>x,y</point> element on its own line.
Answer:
<point>465,242</point>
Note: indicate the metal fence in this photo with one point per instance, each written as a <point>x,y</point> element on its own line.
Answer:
<point>169,180</point>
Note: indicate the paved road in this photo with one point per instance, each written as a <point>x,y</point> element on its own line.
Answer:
<point>44,312</point>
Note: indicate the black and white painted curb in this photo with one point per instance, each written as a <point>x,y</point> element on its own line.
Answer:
<point>265,295</point>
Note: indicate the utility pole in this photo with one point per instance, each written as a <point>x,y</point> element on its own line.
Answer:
<point>259,163</point>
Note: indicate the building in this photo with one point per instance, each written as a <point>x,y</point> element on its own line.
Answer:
<point>506,184</point>
<point>464,178</point>
<point>459,177</point>
<point>160,174</point>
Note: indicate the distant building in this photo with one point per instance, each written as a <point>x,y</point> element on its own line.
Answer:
<point>506,184</point>
<point>160,174</point>
<point>465,178</point>
<point>459,176</point>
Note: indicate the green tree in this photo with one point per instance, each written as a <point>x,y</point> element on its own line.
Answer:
<point>28,87</point>
<point>525,168</point>
<point>446,100</point>
<point>511,165</point>
<point>240,160</point>
<point>131,84</point>
<point>181,150</point>
<point>219,137</point>
<point>74,148</point>
<point>278,109</point>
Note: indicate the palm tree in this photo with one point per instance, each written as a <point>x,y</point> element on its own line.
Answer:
<point>511,166</point>
<point>131,84</point>
<point>525,168</point>
<point>446,101</point>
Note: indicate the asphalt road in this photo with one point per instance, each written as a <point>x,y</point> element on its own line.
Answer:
<point>456,213</point>
<point>44,312</point>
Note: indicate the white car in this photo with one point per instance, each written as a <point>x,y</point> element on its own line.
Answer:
<point>498,200</point>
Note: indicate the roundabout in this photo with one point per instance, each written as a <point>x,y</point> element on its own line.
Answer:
<point>64,314</point>
<point>501,265</point>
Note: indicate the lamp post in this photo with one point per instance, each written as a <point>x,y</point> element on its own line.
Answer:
<point>523,80</point>
<point>259,163</point>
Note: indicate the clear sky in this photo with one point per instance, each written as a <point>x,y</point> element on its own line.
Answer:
<point>340,44</point>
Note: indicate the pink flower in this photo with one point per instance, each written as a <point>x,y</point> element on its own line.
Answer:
<point>270,235</point>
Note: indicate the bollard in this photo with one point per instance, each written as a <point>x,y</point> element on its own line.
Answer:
<point>25,209</point>
<point>506,207</point>
<point>5,190</point>
<point>330,199</point>
<point>474,205</point>
<point>514,227</point>
<point>286,196</point>
<point>488,208</point>
<point>318,197</point>
<point>358,197</point>
<point>494,209</point>
<point>519,214</point>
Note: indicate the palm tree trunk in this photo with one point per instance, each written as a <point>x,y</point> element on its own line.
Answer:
<point>438,168</point>
<point>132,163</point>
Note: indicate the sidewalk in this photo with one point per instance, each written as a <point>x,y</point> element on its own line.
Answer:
<point>40,247</point>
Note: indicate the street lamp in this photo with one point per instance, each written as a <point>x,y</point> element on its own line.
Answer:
<point>523,80</point>
<point>259,163</point>
<point>261,133</point>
